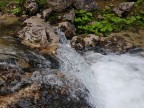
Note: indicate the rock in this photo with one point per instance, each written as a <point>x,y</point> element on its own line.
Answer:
<point>117,43</point>
<point>88,5</point>
<point>142,54</point>
<point>45,13</point>
<point>84,41</point>
<point>15,61</point>
<point>39,34</point>
<point>31,7</point>
<point>123,8</point>
<point>68,29</point>
<point>47,89</point>
<point>60,5</point>
<point>69,16</point>
<point>8,19</point>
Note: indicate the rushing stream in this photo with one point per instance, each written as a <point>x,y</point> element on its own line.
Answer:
<point>113,81</point>
<point>120,79</point>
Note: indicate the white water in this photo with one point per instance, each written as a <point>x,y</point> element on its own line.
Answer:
<point>113,81</point>
<point>74,65</point>
<point>120,79</point>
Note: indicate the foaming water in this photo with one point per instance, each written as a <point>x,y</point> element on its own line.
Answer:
<point>113,81</point>
<point>120,79</point>
<point>75,66</point>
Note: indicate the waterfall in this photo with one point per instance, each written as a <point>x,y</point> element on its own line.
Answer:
<point>113,81</point>
<point>62,37</point>
<point>75,66</point>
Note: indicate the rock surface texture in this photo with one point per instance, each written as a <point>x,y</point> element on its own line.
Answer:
<point>68,29</point>
<point>31,7</point>
<point>116,43</point>
<point>123,8</point>
<point>60,5</point>
<point>84,41</point>
<point>30,80</point>
<point>39,34</point>
<point>42,89</point>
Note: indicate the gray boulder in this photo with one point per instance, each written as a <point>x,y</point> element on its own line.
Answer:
<point>123,8</point>
<point>60,5</point>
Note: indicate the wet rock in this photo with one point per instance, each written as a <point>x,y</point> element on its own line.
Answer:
<point>48,89</point>
<point>142,54</point>
<point>116,43</point>
<point>123,8</point>
<point>39,34</point>
<point>13,64</point>
<point>31,7</point>
<point>68,29</point>
<point>17,63</point>
<point>136,50</point>
<point>84,41</point>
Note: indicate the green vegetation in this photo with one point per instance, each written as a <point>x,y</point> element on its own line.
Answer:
<point>16,6</point>
<point>13,6</point>
<point>3,3</point>
<point>19,7</point>
<point>41,3</point>
<point>87,22</point>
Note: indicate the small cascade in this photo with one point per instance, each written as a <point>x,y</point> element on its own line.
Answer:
<point>62,37</point>
<point>75,66</point>
<point>113,81</point>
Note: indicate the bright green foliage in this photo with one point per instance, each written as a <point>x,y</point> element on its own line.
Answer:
<point>18,9</point>
<point>83,17</point>
<point>87,22</point>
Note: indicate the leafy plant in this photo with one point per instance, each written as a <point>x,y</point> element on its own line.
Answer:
<point>87,22</point>
<point>19,6</point>
<point>16,10</point>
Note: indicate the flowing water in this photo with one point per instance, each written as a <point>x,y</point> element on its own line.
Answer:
<point>120,79</point>
<point>113,81</point>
